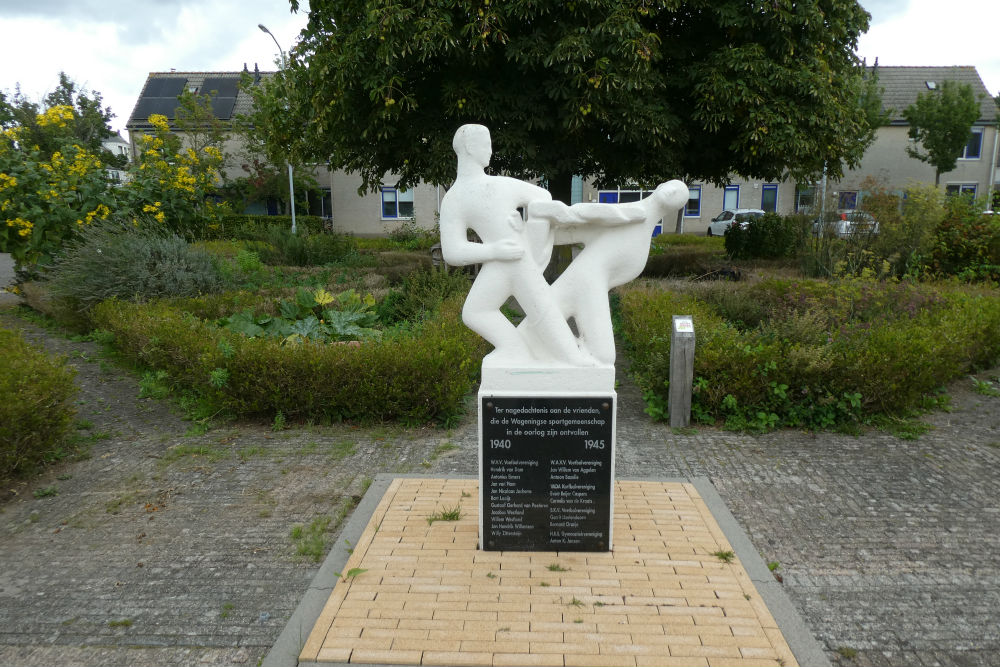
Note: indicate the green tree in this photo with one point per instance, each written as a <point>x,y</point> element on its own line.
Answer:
<point>88,127</point>
<point>941,121</point>
<point>201,128</point>
<point>273,139</point>
<point>614,90</point>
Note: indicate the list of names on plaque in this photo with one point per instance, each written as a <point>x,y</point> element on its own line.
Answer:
<point>547,473</point>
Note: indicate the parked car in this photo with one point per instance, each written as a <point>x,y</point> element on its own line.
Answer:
<point>722,222</point>
<point>845,223</point>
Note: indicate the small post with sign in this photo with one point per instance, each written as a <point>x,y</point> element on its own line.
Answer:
<point>681,370</point>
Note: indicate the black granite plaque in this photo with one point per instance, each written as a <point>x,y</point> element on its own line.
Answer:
<point>546,470</point>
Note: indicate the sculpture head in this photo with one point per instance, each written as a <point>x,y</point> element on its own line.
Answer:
<point>473,142</point>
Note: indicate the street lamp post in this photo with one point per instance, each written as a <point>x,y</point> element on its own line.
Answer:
<point>291,182</point>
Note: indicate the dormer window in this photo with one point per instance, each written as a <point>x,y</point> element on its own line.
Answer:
<point>931,85</point>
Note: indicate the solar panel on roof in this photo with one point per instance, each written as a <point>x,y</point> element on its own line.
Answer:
<point>222,87</point>
<point>172,87</point>
<point>153,87</point>
<point>222,107</point>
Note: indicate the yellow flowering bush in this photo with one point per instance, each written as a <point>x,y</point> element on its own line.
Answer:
<point>43,200</point>
<point>174,185</point>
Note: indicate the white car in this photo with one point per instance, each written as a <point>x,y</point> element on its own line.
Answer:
<point>722,222</point>
<point>846,223</point>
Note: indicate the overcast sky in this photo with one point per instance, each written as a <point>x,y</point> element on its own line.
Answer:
<point>111,45</point>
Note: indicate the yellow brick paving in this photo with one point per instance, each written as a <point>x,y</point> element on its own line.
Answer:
<point>661,598</point>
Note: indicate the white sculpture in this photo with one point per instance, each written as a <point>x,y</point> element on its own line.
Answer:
<point>515,251</point>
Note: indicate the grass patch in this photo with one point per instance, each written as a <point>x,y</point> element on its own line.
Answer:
<point>724,556</point>
<point>310,541</point>
<point>204,452</point>
<point>445,514</point>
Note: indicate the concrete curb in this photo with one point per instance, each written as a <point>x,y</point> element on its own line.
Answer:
<point>284,653</point>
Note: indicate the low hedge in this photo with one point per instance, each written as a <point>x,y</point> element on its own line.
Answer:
<point>412,376</point>
<point>252,227</point>
<point>810,353</point>
<point>36,405</point>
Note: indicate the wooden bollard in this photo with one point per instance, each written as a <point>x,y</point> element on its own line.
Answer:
<point>681,370</point>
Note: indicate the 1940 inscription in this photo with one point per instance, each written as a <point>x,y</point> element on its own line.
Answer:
<point>547,473</point>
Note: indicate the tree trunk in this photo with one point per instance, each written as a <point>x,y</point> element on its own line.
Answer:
<point>679,227</point>
<point>561,187</point>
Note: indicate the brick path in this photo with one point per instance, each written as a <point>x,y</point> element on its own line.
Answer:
<point>427,595</point>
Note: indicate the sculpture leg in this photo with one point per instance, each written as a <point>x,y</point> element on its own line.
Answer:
<point>584,298</point>
<point>544,322</point>
<point>481,313</point>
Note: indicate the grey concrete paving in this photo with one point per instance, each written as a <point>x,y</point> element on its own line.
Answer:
<point>167,548</point>
<point>7,278</point>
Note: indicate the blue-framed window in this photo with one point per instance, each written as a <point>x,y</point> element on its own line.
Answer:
<point>731,198</point>
<point>974,149</point>
<point>769,198</point>
<point>961,189</point>
<point>693,208</point>
<point>622,196</point>
<point>396,203</point>
<point>848,199</point>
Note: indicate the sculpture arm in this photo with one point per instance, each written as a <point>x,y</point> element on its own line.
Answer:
<point>578,214</point>
<point>457,250</point>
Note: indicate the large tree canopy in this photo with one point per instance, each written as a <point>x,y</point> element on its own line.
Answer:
<point>616,90</point>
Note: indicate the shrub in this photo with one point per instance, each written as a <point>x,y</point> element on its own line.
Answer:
<point>684,255</point>
<point>414,377</point>
<point>812,354</point>
<point>36,405</point>
<point>304,249</point>
<point>421,294</point>
<point>966,242</point>
<point>256,227</point>
<point>769,236</point>
<point>140,263</point>
<point>46,199</point>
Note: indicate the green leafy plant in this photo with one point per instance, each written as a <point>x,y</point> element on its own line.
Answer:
<point>313,315</point>
<point>46,492</point>
<point>984,387</point>
<point>350,574</point>
<point>724,556</point>
<point>36,406</point>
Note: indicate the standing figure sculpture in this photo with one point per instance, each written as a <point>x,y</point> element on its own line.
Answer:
<point>488,205</point>
<point>515,250</point>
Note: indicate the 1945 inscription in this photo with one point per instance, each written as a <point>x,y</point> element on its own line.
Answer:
<point>547,473</point>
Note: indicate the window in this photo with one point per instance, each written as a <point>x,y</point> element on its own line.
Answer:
<point>396,203</point>
<point>974,148</point>
<point>804,198</point>
<point>769,198</point>
<point>847,199</point>
<point>693,208</point>
<point>960,189</point>
<point>622,196</point>
<point>731,197</point>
